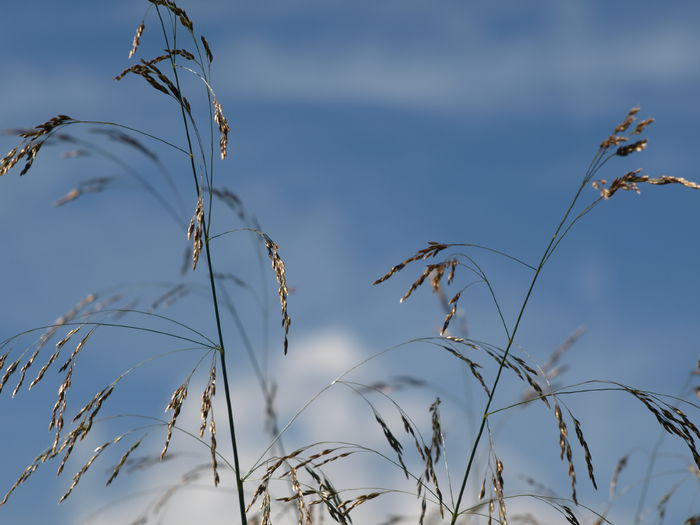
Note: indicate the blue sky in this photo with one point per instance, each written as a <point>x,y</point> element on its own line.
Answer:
<point>359,133</point>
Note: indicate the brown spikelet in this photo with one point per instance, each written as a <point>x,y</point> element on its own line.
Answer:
<point>212,447</point>
<point>615,139</point>
<point>179,52</point>
<point>175,405</point>
<point>642,126</point>
<point>28,149</point>
<point>587,452</point>
<point>122,460</point>
<point>265,508</point>
<point>83,470</point>
<point>451,313</point>
<point>279,268</point>
<point>630,180</point>
<point>635,147</point>
<point>23,371</point>
<point>497,481</point>
<point>11,368</point>
<point>194,231</point>
<point>393,442</point>
<point>41,458</point>
<point>423,508</point>
<point>431,251</point>
<point>224,128</point>
<point>570,516</point>
<point>348,505</point>
<point>59,408</point>
<point>207,49</point>
<point>46,127</point>
<point>565,449</point>
<point>137,39</point>
<point>77,350</point>
<point>473,367</point>
<point>173,8</point>
<point>68,445</point>
<point>625,124</point>
<point>207,396</point>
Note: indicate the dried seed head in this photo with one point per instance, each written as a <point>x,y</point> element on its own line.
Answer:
<point>207,49</point>
<point>224,128</point>
<point>642,126</point>
<point>431,251</point>
<point>207,396</point>
<point>194,231</point>
<point>278,267</point>
<point>623,151</point>
<point>629,182</point>
<point>137,39</point>
<point>83,470</point>
<point>123,459</point>
<point>451,313</point>
<point>175,405</point>
<point>214,464</point>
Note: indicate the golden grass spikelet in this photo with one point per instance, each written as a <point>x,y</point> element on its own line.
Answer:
<point>122,460</point>
<point>207,396</point>
<point>46,127</point>
<point>431,251</point>
<point>497,481</point>
<point>59,408</point>
<point>265,508</point>
<point>84,469</point>
<point>348,505</point>
<point>11,368</point>
<point>279,268</point>
<point>630,180</point>
<point>224,128</point>
<point>68,445</point>
<point>625,124</point>
<point>77,350</point>
<point>23,372</point>
<point>41,458</point>
<point>175,405</point>
<point>137,39</point>
<point>641,126</point>
<point>194,231</point>
<point>30,148</point>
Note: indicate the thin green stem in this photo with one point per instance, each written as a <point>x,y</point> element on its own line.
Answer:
<point>212,283</point>
<point>511,339</point>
